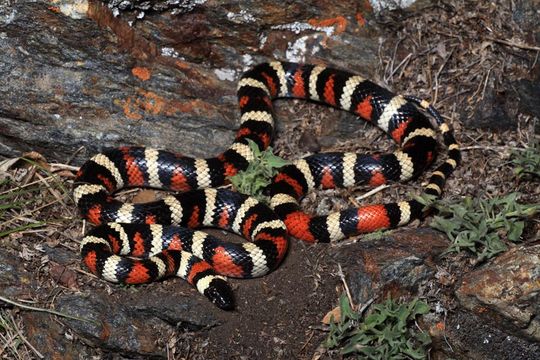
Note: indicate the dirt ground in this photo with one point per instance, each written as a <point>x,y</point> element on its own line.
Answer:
<point>433,53</point>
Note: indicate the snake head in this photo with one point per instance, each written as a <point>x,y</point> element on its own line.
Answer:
<point>220,293</point>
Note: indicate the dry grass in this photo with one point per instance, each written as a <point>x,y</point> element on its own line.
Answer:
<point>35,207</point>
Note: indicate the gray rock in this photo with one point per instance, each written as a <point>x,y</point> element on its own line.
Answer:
<point>492,112</point>
<point>128,323</point>
<point>467,336</point>
<point>396,264</point>
<point>506,291</point>
<point>528,92</point>
<point>172,87</point>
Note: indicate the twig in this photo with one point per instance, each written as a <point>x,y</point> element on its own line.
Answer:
<point>365,306</point>
<point>405,60</point>
<point>486,83</point>
<point>70,159</point>
<point>20,187</point>
<point>444,333</point>
<point>372,191</point>
<point>438,73</point>
<point>482,86</point>
<point>57,166</point>
<point>514,44</point>
<point>342,277</point>
<point>19,217</point>
<point>492,148</point>
<point>8,341</point>
<point>307,341</point>
<point>32,308</point>
<point>53,191</point>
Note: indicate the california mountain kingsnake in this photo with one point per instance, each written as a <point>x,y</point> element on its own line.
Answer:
<point>198,257</point>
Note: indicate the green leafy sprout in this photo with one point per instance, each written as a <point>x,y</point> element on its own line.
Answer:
<point>481,226</point>
<point>527,162</point>
<point>386,333</point>
<point>259,173</point>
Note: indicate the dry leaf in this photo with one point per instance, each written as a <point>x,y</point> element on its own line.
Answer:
<point>334,314</point>
<point>38,159</point>
<point>5,165</point>
<point>144,196</point>
<point>63,275</point>
<point>441,50</point>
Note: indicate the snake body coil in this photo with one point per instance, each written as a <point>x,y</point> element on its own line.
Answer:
<point>132,229</point>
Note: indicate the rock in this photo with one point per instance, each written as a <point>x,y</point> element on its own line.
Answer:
<point>379,5</point>
<point>491,112</point>
<point>506,291</point>
<point>528,91</point>
<point>172,86</point>
<point>396,264</point>
<point>110,327</point>
<point>15,281</point>
<point>124,322</point>
<point>72,90</point>
<point>52,339</point>
<point>142,6</point>
<point>463,335</point>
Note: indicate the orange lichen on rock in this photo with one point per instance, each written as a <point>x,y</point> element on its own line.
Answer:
<point>141,72</point>
<point>339,23</point>
<point>129,109</point>
<point>182,64</point>
<point>360,19</point>
<point>151,103</point>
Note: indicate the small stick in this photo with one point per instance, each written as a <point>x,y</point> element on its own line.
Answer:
<point>75,154</point>
<point>342,277</point>
<point>28,307</point>
<point>514,44</point>
<point>492,148</point>
<point>57,166</point>
<point>9,343</point>
<point>22,216</point>
<point>372,191</point>
<point>307,341</point>
<point>53,191</point>
<point>486,83</point>
<point>438,73</point>
<point>19,187</point>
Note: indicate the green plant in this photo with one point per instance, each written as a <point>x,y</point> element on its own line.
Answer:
<point>383,334</point>
<point>259,173</point>
<point>527,162</point>
<point>481,225</point>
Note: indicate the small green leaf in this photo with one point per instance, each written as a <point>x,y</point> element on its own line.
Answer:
<point>516,229</point>
<point>477,225</point>
<point>527,162</point>
<point>259,173</point>
<point>383,334</point>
